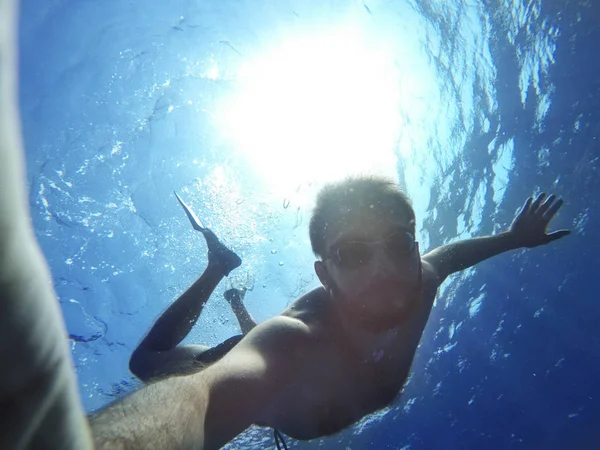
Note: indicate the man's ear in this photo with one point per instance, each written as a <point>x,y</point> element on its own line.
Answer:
<point>323,274</point>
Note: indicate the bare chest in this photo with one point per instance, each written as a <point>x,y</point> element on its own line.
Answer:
<point>333,389</point>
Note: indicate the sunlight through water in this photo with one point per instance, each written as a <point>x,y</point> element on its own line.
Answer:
<point>317,107</point>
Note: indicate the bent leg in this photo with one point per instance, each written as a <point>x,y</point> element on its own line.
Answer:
<point>177,321</point>
<point>214,354</point>
<point>151,366</point>
<point>235,299</point>
<point>158,356</point>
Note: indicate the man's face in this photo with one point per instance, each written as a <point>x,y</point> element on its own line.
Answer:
<point>374,267</point>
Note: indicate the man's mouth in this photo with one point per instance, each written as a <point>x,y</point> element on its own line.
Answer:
<point>389,289</point>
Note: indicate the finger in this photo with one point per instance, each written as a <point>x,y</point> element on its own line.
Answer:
<point>547,204</point>
<point>526,206</point>
<point>558,235</point>
<point>551,212</point>
<point>538,201</point>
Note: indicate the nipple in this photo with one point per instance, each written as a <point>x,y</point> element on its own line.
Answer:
<point>377,355</point>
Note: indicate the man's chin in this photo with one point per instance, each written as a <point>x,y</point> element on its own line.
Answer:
<point>390,319</point>
<point>381,318</point>
<point>390,309</point>
<point>390,300</point>
<point>379,311</point>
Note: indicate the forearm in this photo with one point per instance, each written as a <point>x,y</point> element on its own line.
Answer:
<point>167,414</point>
<point>463,254</point>
<point>202,411</point>
<point>12,187</point>
<point>39,403</point>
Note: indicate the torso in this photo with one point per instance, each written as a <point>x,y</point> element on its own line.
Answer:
<point>333,384</point>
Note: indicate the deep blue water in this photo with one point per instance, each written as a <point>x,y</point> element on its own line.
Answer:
<point>496,100</point>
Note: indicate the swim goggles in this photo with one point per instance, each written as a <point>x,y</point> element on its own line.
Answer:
<point>354,254</point>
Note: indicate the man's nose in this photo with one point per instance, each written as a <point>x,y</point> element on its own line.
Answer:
<point>384,265</point>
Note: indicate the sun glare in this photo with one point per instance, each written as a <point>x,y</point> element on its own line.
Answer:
<point>316,108</point>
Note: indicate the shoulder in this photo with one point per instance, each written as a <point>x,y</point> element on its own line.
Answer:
<point>248,380</point>
<point>431,276</point>
<point>310,308</point>
<point>276,330</point>
<point>268,350</point>
<point>274,345</point>
<point>274,349</point>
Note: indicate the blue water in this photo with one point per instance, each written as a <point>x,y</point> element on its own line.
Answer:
<point>494,101</point>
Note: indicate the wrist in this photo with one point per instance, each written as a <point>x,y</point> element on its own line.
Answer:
<point>512,240</point>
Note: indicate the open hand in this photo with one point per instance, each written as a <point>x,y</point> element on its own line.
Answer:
<point>529,227</point>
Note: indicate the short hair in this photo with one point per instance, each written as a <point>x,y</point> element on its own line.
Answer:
<point>355,193</point>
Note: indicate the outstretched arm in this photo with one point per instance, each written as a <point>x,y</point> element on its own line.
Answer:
<point>527,230</point>
<point>39,404</point>
<point>206,410</point>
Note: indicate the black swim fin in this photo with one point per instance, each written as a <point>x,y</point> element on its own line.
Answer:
<point>196,223</point>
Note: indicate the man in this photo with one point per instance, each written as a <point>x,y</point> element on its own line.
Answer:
<point>344,349</point>
<point>339,352</point>
<point>159,355</point>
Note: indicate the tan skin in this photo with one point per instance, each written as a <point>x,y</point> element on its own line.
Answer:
<point>316,368</point>
<point>39,402</point>
<point>311,371</point>
<point>359,371</point>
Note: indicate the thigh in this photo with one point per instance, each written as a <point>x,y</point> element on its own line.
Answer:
<point>150,365</point>
<point>182,360</point>
<point>216,353</point>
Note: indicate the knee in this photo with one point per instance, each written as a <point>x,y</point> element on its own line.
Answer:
<point>138,366</point>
